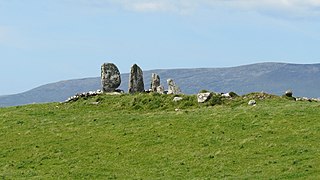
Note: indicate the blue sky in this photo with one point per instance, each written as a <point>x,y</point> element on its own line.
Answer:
<point>43,41</point>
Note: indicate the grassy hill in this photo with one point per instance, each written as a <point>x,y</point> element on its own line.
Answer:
<point>148,136</point>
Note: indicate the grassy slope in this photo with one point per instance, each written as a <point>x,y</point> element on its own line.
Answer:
<point>142,136</point>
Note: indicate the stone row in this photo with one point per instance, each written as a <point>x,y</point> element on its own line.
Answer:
<point>111,80</point>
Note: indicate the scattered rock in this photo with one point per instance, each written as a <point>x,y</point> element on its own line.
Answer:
<point>226,95</point>
<point>307,99</point>
<point>84,94</point>
<point>94,103</point>
<point>252,103</point>
<point>176,99</point>
<point>203,97</point>
<point>110,77</point>
<point>136,83</point>
<point>289,93</point>
<point>172,87</point>
<point>115,93</point>
<point>316,99</point>
<point>260,96</point>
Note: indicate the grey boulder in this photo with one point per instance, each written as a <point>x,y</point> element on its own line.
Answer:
<point>110,77</point>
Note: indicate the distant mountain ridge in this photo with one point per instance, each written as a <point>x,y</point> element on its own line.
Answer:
<point>272,78</point>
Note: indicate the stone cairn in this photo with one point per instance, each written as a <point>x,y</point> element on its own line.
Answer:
<point>172,87</point>
<point>136,83</point>
<point>110,77</point>
<point>155,84</point>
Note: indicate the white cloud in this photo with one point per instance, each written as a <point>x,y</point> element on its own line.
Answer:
<point>297,7</point>
<point>176,6</point>
<point>288,7</point>
<point>150,6</point>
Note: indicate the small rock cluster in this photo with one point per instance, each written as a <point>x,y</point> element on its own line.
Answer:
<point>307,99</point>
<point>289,94</point>
<point>84,94</point>
<point>260,96</point>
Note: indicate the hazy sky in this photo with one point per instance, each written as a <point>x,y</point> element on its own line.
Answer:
<point>43,41</point>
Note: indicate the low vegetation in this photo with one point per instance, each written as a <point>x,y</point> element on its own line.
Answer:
<point>148,136</point>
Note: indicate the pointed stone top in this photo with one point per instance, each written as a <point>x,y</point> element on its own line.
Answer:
<point>136,83</point>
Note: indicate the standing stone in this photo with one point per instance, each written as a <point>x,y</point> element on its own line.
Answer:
<point>110,77</point>
<point>160,89</point>
<point>155,82</point>
<point>172,87</point>
<point>136,80</point>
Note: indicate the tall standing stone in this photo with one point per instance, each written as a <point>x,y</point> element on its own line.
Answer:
<point>136,83</point>
<point>172,87</point>
<point>110,77</point>
<point>155,82</point>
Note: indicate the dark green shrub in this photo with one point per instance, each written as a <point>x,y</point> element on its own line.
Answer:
<point>203,91</point>
<point>215,100</point>
<point>189,101</point>
<point>289,98</point>
<point>233,94</point>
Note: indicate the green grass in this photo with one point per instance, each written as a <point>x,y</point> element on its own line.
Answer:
<point>147,136</point>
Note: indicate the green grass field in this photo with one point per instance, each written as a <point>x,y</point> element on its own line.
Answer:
<point>147,136</point>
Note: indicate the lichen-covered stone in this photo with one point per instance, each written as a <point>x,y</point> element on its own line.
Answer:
<point>172,87</point>
<point>110,77</point>
<point>160,89</point>
<point>136,83</point>
<point>155,82</point>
